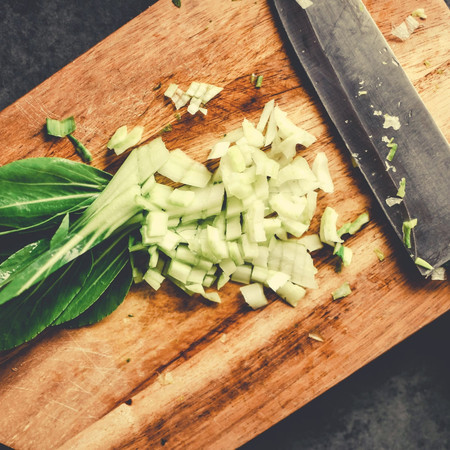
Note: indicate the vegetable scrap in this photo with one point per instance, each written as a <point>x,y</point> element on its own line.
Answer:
<point>256,80</point>
<point>60,128</point>
<point>165,378</point>
<point>392,148</point>
<point>177,3</point>
<point>254,295</point>
<point>402,188</point>
<point>380,254</point>
<point>316,336</point>
<point>65,127</point>
<point>408,225</point>
<point>342,291</point>
<point>406,28</point>
<point>304,3</point>
<point>196,96</point>
<point>391,121</point>
<point>422,263</point>
<point>391,201</point>
<point>122,140</point>
<point>419,12</point>
<point>84,153</point>
<point>439,274</point>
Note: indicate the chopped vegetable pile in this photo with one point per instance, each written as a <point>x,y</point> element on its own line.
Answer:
<point>74,240</point>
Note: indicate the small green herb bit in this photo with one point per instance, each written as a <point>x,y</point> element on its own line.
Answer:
<point>379,253</point>
<point>60,128</point>
<point>177,3</point>
<point>392,149</point>
<point>408,225</point>
<point>166,129</point>
<point>422,263</point>
<point>402,188</point>
<point>259,81</point>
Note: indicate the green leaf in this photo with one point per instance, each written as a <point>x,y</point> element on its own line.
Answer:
<point>108,302</point>
<point>37,190</point>
<point>29,314</point>
<point>61,232</point>
<point>21,258</point>
<point>109,258</point>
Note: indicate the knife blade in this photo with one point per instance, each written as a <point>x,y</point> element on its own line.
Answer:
<point>373,105</point>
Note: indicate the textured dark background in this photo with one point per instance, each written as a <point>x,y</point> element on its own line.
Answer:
<point>399,401</point>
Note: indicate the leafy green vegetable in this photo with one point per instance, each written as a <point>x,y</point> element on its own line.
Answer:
<point>22,258</point>
<point>60,128</point>
<point>109,258</point>
<point>59,277</point>
<point>35,309</point>
<point>36,192</point>
<point>108,301</point>
<point>61,232</point>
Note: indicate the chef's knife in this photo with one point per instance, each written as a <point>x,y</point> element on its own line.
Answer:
<point>373,105</point>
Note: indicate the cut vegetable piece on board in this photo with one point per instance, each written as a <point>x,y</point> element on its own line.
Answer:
<point>197,94</point>
<point>380,254</point>
<point>406,28</point>
<point>355,226</point>
<point>254,295</point>
<point>291,293</point>
<point>328,231</point>
<point>122,140</point>
<point>81,149</point>
<point>345,253</point>
<point>419,12</point>
<point>342,291</point>
<point>60,128</point>
<point>312,242</point>
<point>182,168</point>
<point>219,149</point>
<point>119,136</point>
<point>321,171</point>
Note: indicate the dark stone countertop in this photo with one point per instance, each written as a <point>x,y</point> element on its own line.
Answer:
<point>399,401</point>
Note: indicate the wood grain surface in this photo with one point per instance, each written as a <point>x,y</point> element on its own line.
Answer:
<point>169,370</point>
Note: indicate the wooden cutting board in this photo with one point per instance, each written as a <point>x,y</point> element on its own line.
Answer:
<point>167,370</point>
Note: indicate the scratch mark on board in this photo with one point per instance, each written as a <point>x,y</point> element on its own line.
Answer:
<point>63,404</point>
